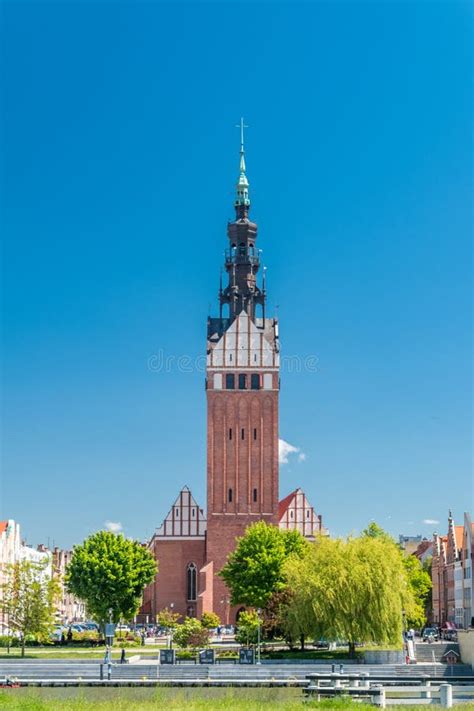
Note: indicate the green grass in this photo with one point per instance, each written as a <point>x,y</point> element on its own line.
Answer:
<point>174,700</point>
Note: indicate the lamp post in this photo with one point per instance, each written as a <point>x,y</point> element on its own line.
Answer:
<point>171,632</point>
<point>109,647</point>
<point>258,636</point>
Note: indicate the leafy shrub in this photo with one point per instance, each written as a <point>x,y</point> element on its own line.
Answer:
<point>191,633</point>
<point>209,620</point>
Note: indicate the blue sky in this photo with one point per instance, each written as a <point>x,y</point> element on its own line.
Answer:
<point>119,159</point>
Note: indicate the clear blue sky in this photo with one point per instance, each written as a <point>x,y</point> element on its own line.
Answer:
<point>119,158</point>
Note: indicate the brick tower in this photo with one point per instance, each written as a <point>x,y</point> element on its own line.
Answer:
<point>242,387</point>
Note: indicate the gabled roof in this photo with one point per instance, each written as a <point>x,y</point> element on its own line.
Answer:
<point>185,519</point>
<point>422,548</point>
<point>458,534</point>
<point>284,503</point>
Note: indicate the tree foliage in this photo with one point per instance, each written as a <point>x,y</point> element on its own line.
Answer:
<point>420,584</point>
<point>168,619</point>
<point>109,571</point>
<point>191,633</point>
<point>353,590</point>
<point>209,620</point>
<point>254,571</point>
<point>419,578</point>
<point>28,598</point>
<point>247,628</point>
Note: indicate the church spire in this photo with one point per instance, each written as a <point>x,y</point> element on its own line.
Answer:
<point>242,258</point>
<point>242,200</point>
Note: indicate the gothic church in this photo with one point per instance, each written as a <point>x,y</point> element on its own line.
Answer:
<point>242,387</point>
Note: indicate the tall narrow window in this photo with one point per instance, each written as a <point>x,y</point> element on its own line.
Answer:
<point>191,581</point>
<point>255,433</point>
<point>255,494</point>
<point>242,434</point>
<point>255,381</point>
<point>230,381</point>
<point>230,433</point>
<point>230,496</point>
<point>242,381</point>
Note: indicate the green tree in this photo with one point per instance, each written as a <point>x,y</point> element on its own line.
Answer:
<point>191,633</point>
<point>168,619</point>
<point>420,584</point>
<point>110,572</point>
<point>28,597</point>
<point>247,627</point>
<point>353,590</point>
<point>419,578</point>
<point>210,620</point>
<point>254,570</point>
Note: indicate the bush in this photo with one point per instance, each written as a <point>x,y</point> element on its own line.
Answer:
<point>191,634</point>
<point>5,640</point>
<point>86,636</point>
<point>209,620</point>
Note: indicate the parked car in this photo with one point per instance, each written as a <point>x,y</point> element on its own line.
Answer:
<point>430,634</point>
<point>76,627</point>
<point>91,626</point>
<point>321,644</point>
<point>121,629</point>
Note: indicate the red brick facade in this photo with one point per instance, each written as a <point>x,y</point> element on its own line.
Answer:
<point>242,386</point>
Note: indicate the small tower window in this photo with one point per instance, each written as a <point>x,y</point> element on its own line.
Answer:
<point>255,495</point>
<point>291,514</point>
<point>230,433</point>
<point>230,381</point>
<point>242,381</point>
<point>193,512</point>
<point>176,512</point>
<point>242,433</point>
<point>255,433</point>
<point>307,514</point>
<point>255,381</point>
<point>230,496</point>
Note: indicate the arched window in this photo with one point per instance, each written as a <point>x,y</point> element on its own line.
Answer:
<point>191,581</point>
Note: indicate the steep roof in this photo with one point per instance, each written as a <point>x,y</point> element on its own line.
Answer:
<point>458,534</point>
<point>284,503</point>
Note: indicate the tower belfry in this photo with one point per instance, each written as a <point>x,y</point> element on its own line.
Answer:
<point>242,258</point>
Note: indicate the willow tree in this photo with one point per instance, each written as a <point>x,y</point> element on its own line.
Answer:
<point>352,589</point>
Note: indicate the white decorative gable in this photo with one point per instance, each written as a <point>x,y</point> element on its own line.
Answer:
<point>184,520</point>
<point>296,513</point>
<point>246,345</point>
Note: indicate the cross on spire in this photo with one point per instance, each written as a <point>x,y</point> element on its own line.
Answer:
<point>242,126</point>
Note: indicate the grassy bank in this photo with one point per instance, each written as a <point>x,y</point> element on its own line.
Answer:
<point>174,700</point>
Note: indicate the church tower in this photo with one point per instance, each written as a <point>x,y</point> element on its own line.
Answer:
<point>242,385</point>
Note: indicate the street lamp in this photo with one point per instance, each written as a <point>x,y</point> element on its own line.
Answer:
<point>258,636</point>
<point>171,632</point>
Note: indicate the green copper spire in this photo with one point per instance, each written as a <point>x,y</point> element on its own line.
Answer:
<point>242,186</point>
